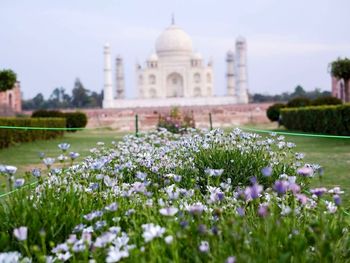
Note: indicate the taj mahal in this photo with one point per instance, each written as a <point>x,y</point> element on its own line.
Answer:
<point>175,75</point>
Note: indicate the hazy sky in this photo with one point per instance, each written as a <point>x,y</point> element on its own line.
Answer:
<point>290,42</point>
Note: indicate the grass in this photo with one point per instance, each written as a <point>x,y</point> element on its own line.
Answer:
<point>26,155</point>
<point>332,154</point>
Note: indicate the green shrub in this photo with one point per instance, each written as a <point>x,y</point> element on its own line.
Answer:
<point>11,136</point>
<point>318,119</point>
<point>273,112</point>
<point>73,119</point>
<point>329,100</point>
<point>176,121</point>
<point>299,102</point>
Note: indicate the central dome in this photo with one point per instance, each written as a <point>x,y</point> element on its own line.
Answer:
<point>173,39</point>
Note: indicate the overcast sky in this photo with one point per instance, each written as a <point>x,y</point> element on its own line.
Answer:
<point>290,42</point>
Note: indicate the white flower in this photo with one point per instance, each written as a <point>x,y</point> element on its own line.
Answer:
<point>115,255</point>
<point>151,231</point>
<point>168,239</point>
<point>10,169</point>
<point>104,239</point>
<point>10,257</point>
<point>336,190</point>
<point>64,257</point>
<point>112,207</point>
<point>168,211</point>
<point>49,161</point>
<point>331,207</point>
<point>21,233</point>
<point>196,208</point>
<point>204,247</point>
<point>64,146</point>
<point>285,210</point>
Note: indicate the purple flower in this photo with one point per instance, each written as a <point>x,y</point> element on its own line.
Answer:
<point>183,224</point>
<point>295,188</point>
<point>302,198</point>
<point>281,186</point>
<point>74,155</point>
<point>21,233</point>
<point>36,172</point>
<point>253,192</point>
<point>266,171</point>
<point>41,155</point>
<point>112,207</point>
<point>18,182</point>
<point>214,172</point>
<point>202,229</point>
<point>305,171</point>
<point>240,211</point>
<point>215,230</point>
<point>318,191</point>
<point>263,210</point>
<point>93,215</point>
<point>337,199</point>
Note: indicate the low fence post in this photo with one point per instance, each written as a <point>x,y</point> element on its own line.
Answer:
<point>137,125</point>
<point>210,121</point>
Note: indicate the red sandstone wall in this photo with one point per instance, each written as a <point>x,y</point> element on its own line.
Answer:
<point>222,116</point>
<point>11,101</point>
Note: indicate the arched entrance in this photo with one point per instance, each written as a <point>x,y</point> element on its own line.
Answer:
<point>175,85</point>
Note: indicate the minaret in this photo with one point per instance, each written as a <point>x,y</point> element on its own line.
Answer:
<point>108,88</point>
<point>230,74</point>
<point>242,87</point>
<point>120,79</point>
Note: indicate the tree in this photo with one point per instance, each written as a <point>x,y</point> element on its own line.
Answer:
<point>8,79</point>
<point>341,70</point>
<point>298,92</point>
<point>298,102</point>
<point>80,95</point>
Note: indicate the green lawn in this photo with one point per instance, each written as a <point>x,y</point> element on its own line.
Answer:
<point>332,154</point>
<point>26,155</point>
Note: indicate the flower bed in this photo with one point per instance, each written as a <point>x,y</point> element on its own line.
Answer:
<point>162,197</point>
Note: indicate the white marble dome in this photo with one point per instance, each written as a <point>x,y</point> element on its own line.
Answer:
<point>173,40</point>
<point>153,57</point>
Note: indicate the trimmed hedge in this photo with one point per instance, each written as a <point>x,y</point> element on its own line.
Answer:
<point>318,119</point>
<point>73,119</point>
<point>11,136</point>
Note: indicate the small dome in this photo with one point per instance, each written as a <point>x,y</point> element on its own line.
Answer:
<point>240,40</point>
<point>153,57</point>
<point>230,53</point>
<point>197,56</point>
<point>173,39</point>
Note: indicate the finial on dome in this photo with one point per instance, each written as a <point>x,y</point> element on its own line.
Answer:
<point>172,19</point>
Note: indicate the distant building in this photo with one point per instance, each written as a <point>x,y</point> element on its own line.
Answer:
<point>11,100</point>
<point>338,89</point>
<point>175,75</point>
